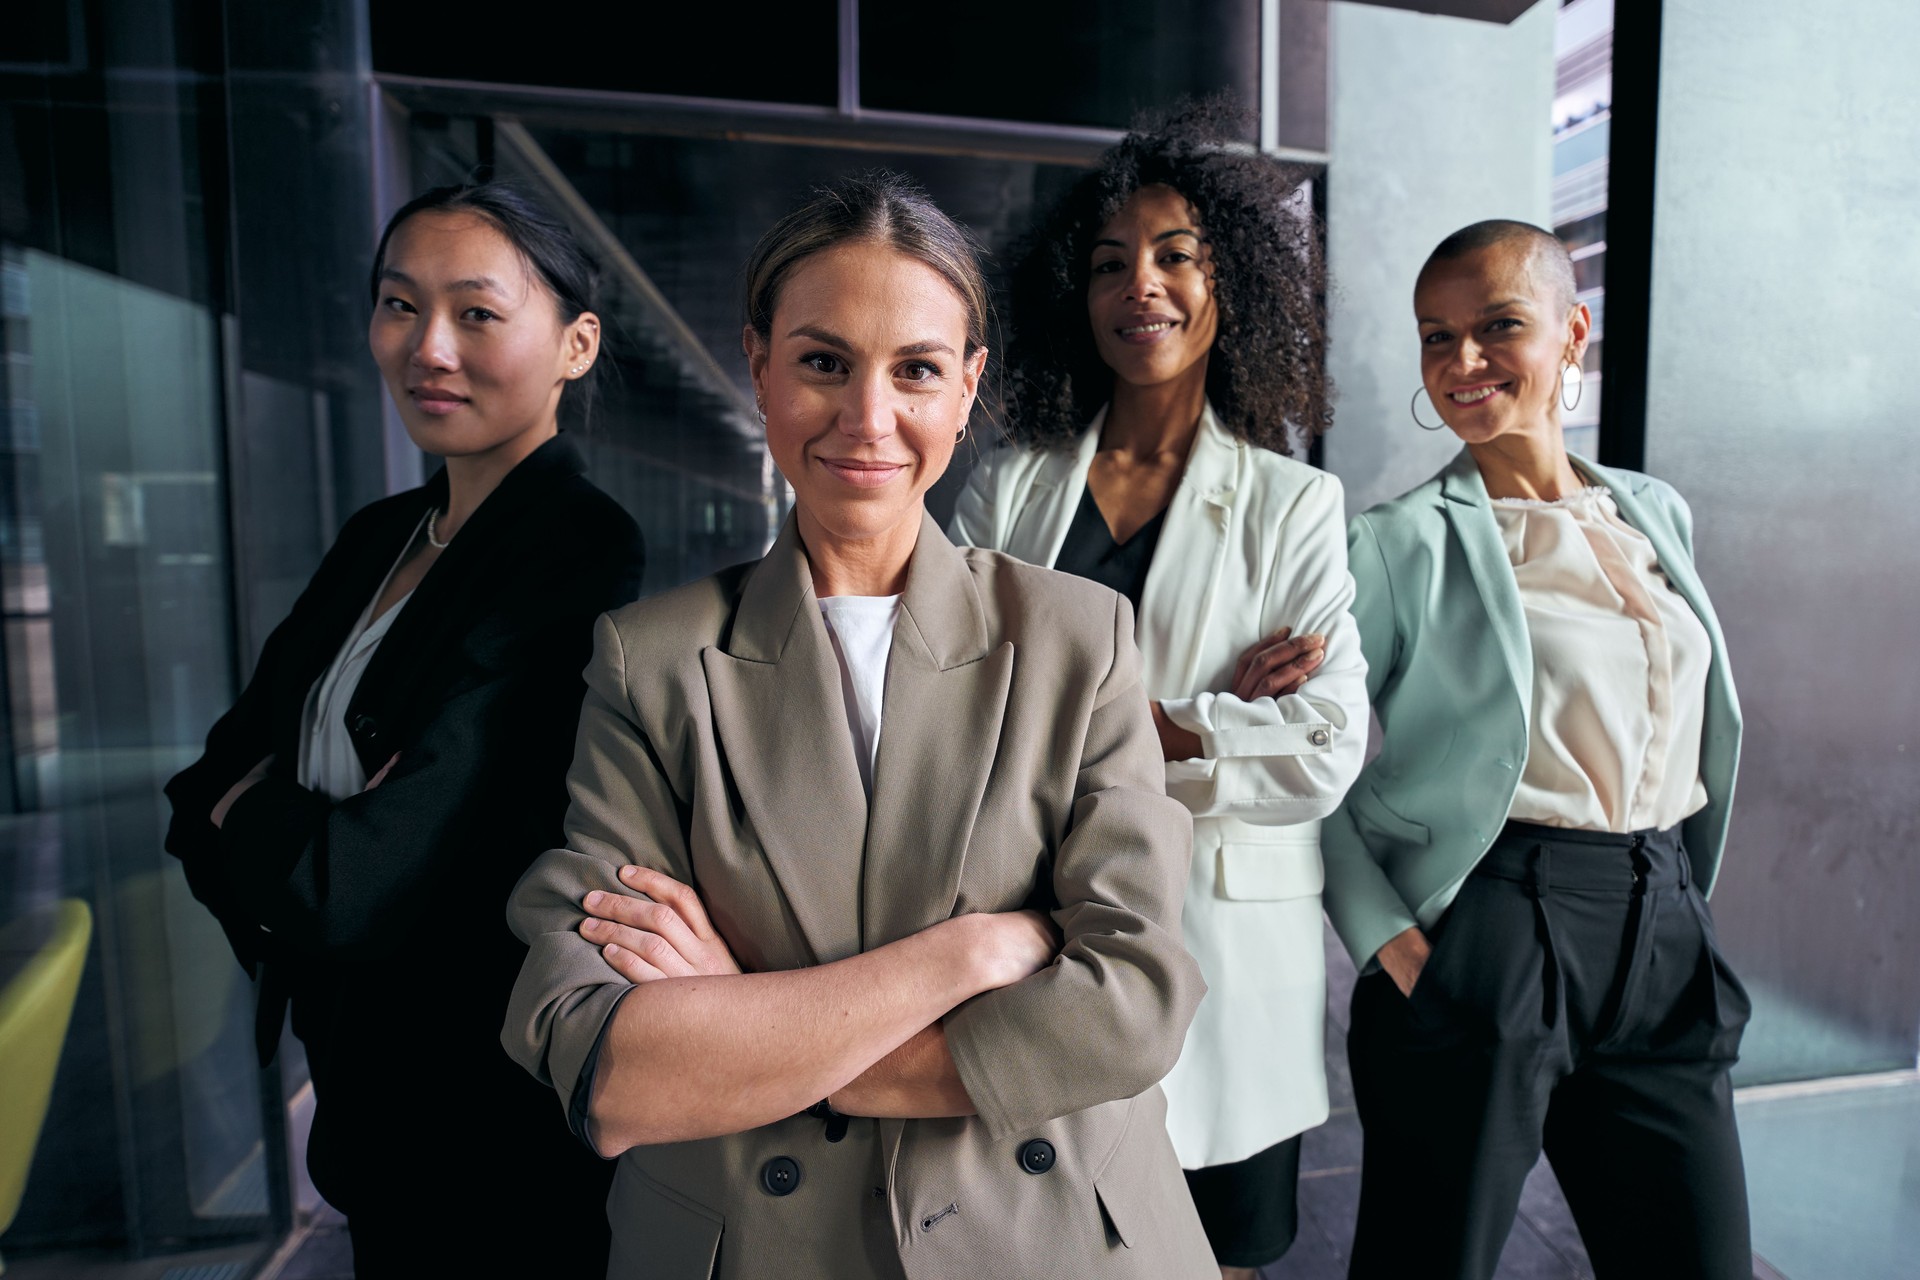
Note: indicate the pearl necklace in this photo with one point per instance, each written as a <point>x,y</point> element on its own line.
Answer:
<point>432,541</point>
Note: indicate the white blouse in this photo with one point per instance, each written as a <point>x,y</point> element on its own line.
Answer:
<point>328,762</point>
<point>862,631</point>
<point>1619,670</point>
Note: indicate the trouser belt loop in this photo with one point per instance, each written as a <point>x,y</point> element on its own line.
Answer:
<point>1642,920</point>
<point>1539,883</point>
<point>1642,866</point>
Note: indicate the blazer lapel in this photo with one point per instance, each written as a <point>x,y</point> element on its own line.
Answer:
<point>404,672</point>
<point>1473,524</point>
<point>940,729</point>
<point>1177,602</point>
<point>782,723</point>
<point>1046,509</point>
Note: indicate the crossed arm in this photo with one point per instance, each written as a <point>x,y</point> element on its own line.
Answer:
<point>693,1048</point>
<point>666,934</point>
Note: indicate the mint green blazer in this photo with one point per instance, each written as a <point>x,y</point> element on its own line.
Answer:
<point>1450,673</point>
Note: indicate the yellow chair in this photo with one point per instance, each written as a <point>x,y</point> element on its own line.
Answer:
<point>35,1008</point>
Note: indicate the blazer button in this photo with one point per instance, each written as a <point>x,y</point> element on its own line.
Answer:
<point>1037,1156</point>
<point>1318,737</point>
<point>779,1176</point>
<point>364,726</point>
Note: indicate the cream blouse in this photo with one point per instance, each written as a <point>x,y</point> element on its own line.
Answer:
<point>328,762</point>
<point>1619,670</point>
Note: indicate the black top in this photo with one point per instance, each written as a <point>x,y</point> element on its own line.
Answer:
<point>1091,552</point>
<point>381,917</point>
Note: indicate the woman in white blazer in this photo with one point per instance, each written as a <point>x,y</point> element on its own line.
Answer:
<point>1165,340</point>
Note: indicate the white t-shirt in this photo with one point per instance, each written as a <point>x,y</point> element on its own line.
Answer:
<point>862,631</point>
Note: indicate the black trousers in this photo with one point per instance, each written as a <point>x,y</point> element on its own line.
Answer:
<point>1575,999</point>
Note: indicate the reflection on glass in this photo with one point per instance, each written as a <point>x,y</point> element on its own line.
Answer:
<point>672,220</point>
<point>118,653</point>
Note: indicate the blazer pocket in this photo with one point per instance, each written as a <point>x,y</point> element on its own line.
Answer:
<point>659,1234</point>
<point>1375,818</point>
<point>1263,872</point>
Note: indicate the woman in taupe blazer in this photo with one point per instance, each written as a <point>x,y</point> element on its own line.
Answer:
<point>915,795</point>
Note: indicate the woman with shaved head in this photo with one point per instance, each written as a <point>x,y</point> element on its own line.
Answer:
<point>1522,871</point>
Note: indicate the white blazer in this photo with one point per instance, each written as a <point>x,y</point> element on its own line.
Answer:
<point>1252,542</point>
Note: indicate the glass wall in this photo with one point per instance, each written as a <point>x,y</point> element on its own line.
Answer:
<point>673,217</point>
<point>116,574</point>
<point>1582,153</point>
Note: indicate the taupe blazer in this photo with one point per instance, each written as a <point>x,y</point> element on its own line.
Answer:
<point>1017,766</point>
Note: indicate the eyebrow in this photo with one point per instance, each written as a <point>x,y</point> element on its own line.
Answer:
<point>1164,235</point>
<point>1487,310</point>
<point>828,338</point>
<point>482,283</point>
<point>932,347</point>
<point>821,335</point>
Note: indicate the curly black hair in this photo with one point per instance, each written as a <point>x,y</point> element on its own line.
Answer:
<point>1266,377</point>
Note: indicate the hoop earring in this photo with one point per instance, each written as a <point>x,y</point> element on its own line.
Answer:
<point>1579,382</point>
<point>963,434</point>
<point>1413,407</point>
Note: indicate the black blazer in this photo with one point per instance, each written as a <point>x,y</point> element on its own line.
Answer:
<point>382,916</point>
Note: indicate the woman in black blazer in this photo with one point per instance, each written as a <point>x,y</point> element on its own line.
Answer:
<point>399,758</point>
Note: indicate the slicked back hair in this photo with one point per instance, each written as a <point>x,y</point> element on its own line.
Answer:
<point>1544,247</point>
<point>551,250</point>
<point>881,207</point>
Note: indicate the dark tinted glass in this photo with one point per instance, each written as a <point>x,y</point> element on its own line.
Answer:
<point>1084,62</point>
<point>754,52</point>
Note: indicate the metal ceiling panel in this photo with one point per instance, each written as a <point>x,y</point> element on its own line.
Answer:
<point>1501,11</point>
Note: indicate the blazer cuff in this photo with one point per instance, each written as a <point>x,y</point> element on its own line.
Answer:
<point>1365,909</point>
<point>1256,737</point>
<point>583,1088</point>
<point>972,1031</point>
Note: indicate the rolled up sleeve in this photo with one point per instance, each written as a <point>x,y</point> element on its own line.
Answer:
<point>1107,1019</point>
<point>1287,760</point>
<point>622,810</point>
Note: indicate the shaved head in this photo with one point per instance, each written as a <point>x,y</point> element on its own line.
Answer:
<point>1546,255</point>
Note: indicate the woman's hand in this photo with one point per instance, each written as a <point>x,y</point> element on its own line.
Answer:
<point>1175,743</point>
<point>1014,945</point>
<point>1278,665</point>
<point>219,815</point>
<point>385,769</point>
<point>1404,956</point>
<point>665,934</point>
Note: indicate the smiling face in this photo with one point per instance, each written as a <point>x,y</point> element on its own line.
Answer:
<point>469,339</point>
<point>1495,333</point>
<point>1150,294</point>
<point>866,381</point>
